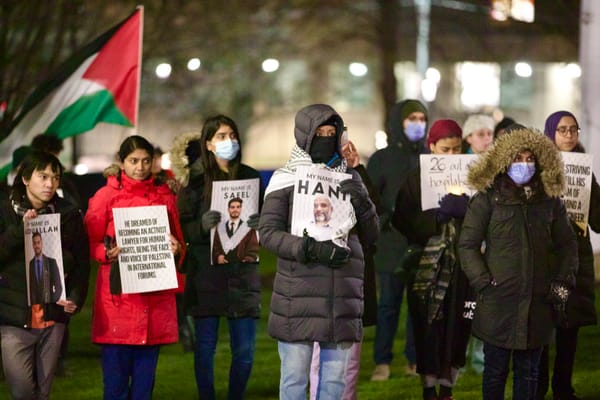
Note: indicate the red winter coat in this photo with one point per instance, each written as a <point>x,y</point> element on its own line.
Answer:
<point>135,319</point>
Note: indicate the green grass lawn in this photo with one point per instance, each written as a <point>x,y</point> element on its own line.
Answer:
<point>175,375</point>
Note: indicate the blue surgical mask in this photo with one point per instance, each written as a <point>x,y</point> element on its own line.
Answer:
<point>521,172</point>
<point>227,149</point>
<point>415,131</point>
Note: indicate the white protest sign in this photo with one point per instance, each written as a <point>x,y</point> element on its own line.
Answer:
<point>145,260</point>
<point>578,177</point>
<point>320,210</point>
<point>44,260</point>
<point>232,240</point>
<point>442,174</point>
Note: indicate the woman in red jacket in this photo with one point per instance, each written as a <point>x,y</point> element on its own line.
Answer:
<point>130,327</point>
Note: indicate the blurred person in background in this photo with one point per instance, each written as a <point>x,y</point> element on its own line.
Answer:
<point>478,133</point>
<point>527,269</point>
<point>441,331</point>
<point>406,129</point>
<point>563,129</point>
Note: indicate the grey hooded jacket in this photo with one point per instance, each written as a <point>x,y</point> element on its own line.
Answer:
<point>311,301</point>
<point>528,243</point>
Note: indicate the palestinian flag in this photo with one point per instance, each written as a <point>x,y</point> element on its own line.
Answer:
<point>98,85</point>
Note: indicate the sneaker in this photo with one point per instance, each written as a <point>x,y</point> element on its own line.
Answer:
<point>381,373</point>
<point>410,370</point>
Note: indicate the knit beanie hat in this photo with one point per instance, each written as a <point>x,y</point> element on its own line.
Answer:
<point>552,122</point>
<point>443,128</point>
<point>476,122</point>
<point>411,106</point>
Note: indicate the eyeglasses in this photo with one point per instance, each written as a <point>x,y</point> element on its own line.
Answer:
<point>565,130</point>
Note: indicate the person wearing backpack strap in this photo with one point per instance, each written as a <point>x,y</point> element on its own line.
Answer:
<point>440,330</point>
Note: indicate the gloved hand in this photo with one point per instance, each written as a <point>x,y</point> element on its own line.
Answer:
<point>359,197</point>
<point>210,219</point>
<point>558,296</point>
<point>253,221</point>
<point>326,252</point>
<point>452,206</point>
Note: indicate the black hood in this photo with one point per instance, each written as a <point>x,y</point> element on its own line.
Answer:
<point>395,128</point>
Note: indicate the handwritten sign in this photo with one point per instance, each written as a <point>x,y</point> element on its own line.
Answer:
<point>442,174</point>
<point>320,210</point>
<point>232,240</point>
<point>578,177</point>
<point>146,263</point>
<point>44,260</point>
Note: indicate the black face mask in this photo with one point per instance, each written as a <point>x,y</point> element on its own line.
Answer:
<point>322,148</point>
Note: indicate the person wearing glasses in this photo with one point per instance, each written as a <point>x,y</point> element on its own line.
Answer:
<point>563,129</point>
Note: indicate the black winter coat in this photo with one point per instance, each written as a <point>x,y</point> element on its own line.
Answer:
<point>13,282</point>
<point>230,290</point>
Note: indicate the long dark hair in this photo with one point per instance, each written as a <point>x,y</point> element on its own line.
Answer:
<point>212,172</point>
<point>131,144</point>
<point>35,161</point>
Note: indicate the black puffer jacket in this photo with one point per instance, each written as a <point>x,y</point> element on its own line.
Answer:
<point>388,169</point>
<point>524,228</point>
<point>13,282</point>
<point>313,302</point>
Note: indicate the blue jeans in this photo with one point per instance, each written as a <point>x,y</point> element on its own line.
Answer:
<point>391,291</point>
<point>120,363</point>
<point>242,335</point>
<point>495,372</point>
<point>295,365</point>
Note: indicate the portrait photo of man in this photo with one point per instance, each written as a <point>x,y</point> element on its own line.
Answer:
<point>234,241</point>
<point>320,227</point>
<point>45,284</point>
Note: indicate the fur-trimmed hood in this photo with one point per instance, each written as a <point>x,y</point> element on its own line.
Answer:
<point>549,165</point>
<point>179,160</point>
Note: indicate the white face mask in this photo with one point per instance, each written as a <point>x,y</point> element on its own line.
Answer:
<point>227,149</point>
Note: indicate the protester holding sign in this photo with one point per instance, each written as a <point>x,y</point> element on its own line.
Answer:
<point>230,288</point>
<point>441,319</point>
<point>530,257</point>
<point>317,293</point>
<point>563,129</point>
<point>130,327</point>
<point>31,335</point>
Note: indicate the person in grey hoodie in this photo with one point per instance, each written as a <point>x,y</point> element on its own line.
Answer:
<point>318,287</point>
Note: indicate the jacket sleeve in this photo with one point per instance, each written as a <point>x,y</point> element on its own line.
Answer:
<point>78,280</point>
<point>368,221</point>
<point>594,214</point>
<point>273,227</point>
<point>96,222</point>
<point>190,206</point>
<point>565,243</point>
<point>11,237</point>
<point>176,230</point>
<point>409,218</point>
<point>472,235</point>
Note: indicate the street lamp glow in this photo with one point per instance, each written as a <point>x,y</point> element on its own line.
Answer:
<point>573,70</point>
<point>193,64</point>
<point>163,70</point>
<point>81,169</point>
<point>358,69</point>
<point>380,140</point>
<point>523,69</point>
<point>432,74</point>
<point>270,65</point>
<point>428,89</point>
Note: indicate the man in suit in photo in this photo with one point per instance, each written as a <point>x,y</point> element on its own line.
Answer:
<point>45,284</point>
<point>234,240</point>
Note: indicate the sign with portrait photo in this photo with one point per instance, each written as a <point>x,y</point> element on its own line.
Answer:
<point>232,240</point>
<point>578,179</point>
<point>146,263</point>
<point>442,174</point>
<point>320,210</point>
<point>43,260</point>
